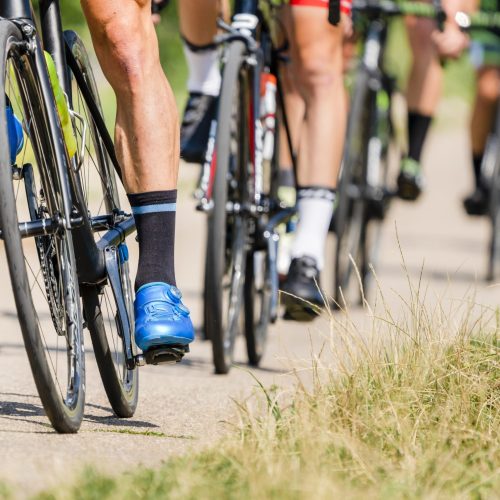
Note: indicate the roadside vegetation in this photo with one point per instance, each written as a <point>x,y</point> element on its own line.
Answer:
<point>414,412</point>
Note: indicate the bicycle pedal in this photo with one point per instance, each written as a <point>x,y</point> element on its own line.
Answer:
<point>165,355</point>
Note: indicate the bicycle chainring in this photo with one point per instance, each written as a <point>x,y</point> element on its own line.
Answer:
<point>48,262</point>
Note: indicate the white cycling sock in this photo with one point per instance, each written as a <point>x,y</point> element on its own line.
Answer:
<point>315,210</point>
<point>204,71</point>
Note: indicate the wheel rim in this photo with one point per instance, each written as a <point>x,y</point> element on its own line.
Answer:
<point>99,193</point>
<point>48,259</point>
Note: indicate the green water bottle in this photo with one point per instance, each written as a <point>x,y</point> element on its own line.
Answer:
<point>62,107</point>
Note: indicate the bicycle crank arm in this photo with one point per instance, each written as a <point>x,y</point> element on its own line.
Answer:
<point>111,258</point>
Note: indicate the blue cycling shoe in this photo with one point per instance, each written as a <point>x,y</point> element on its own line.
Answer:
<point>15,131</point>
<point>161,319</point>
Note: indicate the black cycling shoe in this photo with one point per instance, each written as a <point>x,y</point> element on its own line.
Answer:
<point>410,181</point>
<point>302,297</point>
<point>478,202</point>
<point>195,128</point>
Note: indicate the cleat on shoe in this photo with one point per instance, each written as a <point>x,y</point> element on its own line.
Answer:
<point>410,180</point>
<point>165,355</point>
<point>161,319</point>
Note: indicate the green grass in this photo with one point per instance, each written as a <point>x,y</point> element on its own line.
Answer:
<point>132,432</point>
<point>409,409</point>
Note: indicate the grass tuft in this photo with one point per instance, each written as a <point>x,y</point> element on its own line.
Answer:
<point>409,408</point>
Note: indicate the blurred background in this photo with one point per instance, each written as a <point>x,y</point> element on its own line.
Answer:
<point>458,84</point>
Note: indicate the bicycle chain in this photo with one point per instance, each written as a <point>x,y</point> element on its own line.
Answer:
<point>50,281</point>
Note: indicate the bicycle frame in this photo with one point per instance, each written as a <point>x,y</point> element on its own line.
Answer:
<point>248,26</point>
<point>89,255</point>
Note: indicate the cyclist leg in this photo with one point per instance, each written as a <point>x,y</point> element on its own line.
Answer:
<point>316,66</point>
<point>483,116</point>
<point>147,146</point>
<point>423,93</point>
<point>198,25</point>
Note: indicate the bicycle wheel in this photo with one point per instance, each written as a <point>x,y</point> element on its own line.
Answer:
<point>490,169</point>
<point>258,290</point>
<point>227,225</point>
<point>350,216</point>
<point>257,295</point>
<point>97,191</point>
<point>377,192</point>
<point>42,269</point>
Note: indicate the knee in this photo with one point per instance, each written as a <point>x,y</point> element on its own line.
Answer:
<point>488,86</point>
<point>318,73</point>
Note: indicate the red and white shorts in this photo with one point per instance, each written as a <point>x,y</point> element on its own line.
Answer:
<point>345,5</point>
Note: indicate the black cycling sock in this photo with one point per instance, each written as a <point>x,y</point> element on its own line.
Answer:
<point>418,126</point>
<point>477,160</point>
<point>154,214</point>
<point>198,48</point>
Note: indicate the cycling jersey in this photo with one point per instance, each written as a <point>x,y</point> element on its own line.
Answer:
<point>345,5</point>
<point>485,46</point>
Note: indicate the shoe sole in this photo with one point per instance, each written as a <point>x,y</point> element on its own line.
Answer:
<point>158,342</point>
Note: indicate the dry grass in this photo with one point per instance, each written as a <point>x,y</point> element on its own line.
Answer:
<point>412,413</point>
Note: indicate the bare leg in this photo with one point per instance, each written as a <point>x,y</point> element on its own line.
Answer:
<point>147,144</point>
<point>483,116</point>
<point>198,20</point>
<point>146,131</point>
<point>317,71</point>
<point>426,75</point>
<point>423,93</point>
<point>316,50</point>
<point>488,91</point>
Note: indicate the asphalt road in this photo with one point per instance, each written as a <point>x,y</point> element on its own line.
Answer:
<point>185,406</point>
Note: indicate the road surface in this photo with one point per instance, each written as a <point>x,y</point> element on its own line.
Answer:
<point>185,406</point>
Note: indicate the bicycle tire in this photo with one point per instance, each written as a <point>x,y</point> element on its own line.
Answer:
<point>350,215</point>
<point>120,383</point>
<point>258,291</point>
<point>491,162</point>
<point>257,295</point>
<point>226,240</point>
<point>23,80</point>
<point>377,176</point>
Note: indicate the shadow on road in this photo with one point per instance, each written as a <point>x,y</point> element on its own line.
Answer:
<point>23,412</point>
<point>112,420</point>
<point>27,412</point>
